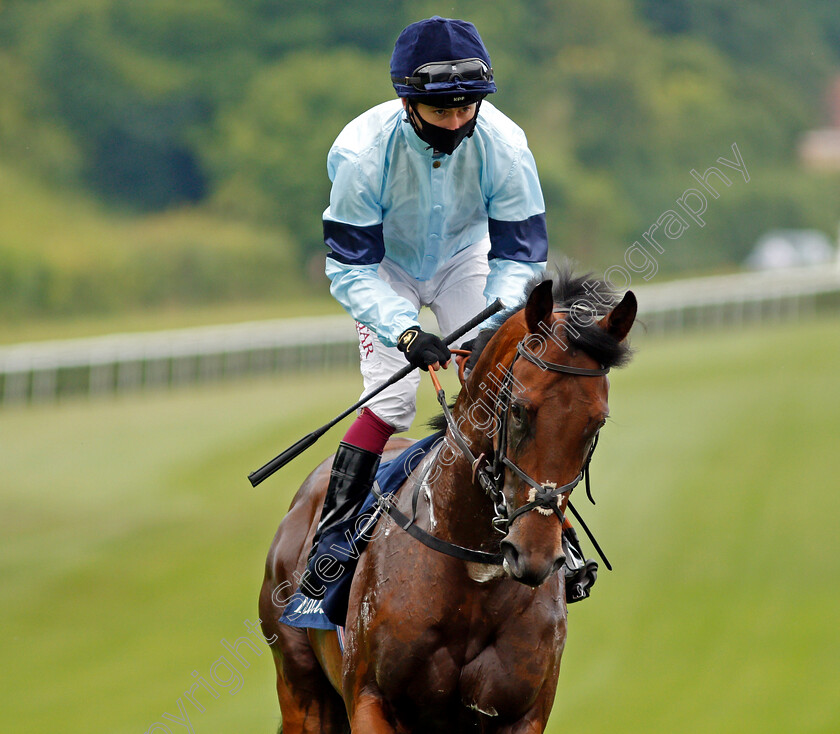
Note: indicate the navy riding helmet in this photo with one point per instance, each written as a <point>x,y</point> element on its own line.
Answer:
<point>441,61</point>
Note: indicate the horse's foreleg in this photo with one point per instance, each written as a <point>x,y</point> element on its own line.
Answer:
<point>369,715</point>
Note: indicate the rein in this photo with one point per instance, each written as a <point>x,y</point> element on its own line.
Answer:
<point>543,497</point>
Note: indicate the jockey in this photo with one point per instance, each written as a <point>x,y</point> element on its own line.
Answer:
<point>435,202</point>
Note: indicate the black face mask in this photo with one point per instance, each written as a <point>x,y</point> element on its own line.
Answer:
<point>439,138</point>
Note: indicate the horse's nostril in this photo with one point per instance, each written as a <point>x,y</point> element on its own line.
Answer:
<point>511,555</point>
<point>558,564</point>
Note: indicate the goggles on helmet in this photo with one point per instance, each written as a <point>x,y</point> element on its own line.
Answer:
<point>438,72</point>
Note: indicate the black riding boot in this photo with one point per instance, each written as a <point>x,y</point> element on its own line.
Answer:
<point>351,478</point>
<point>580,573</point>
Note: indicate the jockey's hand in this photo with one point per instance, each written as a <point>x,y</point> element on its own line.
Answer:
<point>423,349</point>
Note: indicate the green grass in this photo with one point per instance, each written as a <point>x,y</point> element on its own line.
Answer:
<point>133,544</point>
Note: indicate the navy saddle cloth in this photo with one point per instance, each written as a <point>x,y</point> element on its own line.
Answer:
<point>342,545</point>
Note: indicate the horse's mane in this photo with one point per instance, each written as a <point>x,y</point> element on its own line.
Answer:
<point>580,292</point>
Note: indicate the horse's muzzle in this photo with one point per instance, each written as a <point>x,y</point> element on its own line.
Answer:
<point>529,569</point>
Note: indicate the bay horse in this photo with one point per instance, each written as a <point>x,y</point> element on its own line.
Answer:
<point>434,643</point>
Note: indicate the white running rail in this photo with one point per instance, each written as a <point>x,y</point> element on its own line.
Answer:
<point>46,371</point>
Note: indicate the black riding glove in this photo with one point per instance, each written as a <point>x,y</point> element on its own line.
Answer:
<point>422,349</point>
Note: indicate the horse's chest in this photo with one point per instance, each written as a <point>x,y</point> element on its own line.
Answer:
<point>439,642</point>
<point>490,661</point>
<point>502,680</point>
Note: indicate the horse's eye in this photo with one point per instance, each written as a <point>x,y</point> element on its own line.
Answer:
<point>517,414</point>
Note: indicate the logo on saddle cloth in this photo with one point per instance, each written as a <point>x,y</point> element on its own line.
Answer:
<point>309,606</point>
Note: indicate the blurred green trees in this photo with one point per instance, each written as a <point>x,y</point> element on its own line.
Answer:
<point>267,155</point>
<point>116,115</point>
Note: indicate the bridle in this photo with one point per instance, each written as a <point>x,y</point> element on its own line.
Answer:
<point>545,493</point>
<point>491,477</point>
<point>544,497</point>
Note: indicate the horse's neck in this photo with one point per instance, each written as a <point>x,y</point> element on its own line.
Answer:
<point>462,511</point>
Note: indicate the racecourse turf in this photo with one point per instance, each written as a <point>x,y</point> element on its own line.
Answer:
<point>133,545</point>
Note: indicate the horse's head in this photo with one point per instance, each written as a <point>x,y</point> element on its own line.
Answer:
<point>545,372</point>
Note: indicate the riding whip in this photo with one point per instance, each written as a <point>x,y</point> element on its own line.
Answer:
<point>264,472</point>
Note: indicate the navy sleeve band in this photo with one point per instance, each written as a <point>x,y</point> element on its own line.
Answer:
<point>353,245</point>
<point>525,241</point>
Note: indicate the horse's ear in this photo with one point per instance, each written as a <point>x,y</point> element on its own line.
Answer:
<point>618,321</point>
<point>539,307</point>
